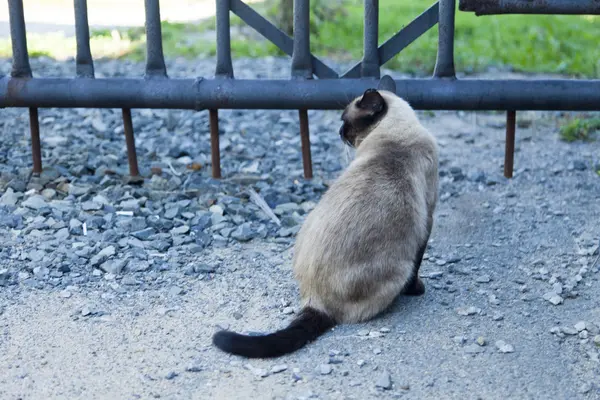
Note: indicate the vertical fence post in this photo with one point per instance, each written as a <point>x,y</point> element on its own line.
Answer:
<point>444,65</point>
<point>22,69</point>
<point>370,63</point>
<point>224,65</point>
<point>223,70</point>
<point>155,60</point>
<point>155,68</point>
<point>83,60</point>
<point>301,62</point>
<point>302,69</point>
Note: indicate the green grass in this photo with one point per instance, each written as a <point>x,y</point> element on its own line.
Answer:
<point>580,129</point>
<point>528,43</point>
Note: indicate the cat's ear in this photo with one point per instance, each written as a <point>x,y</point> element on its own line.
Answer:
<point>387,83</point>
<point>371,102</point>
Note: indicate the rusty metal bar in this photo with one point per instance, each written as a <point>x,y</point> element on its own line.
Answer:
<point>155,60</point>
<point>509,150</point>
<point>83,59</point>
<point>224,64</point>
<point>305,139</point>
<point>369,67</point>
<point>565,7</point>
<point>36,148</point>
<point>444,66</point>
<point>302,69</point>
<point>215,151</point>
<point>18,36</point>
<point>130,141</point>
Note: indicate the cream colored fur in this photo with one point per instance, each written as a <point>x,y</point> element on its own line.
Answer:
<point>356,250</point>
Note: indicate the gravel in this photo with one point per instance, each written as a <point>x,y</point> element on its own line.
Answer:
<point>139,274</point>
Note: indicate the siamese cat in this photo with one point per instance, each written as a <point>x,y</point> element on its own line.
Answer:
<point>362,245</point>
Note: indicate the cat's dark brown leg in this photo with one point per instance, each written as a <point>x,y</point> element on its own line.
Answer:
<point>415,286</point>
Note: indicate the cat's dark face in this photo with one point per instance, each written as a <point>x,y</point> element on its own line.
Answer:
<point>361,115</point>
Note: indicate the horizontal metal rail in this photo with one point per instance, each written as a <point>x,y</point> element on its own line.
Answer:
<point>565,7</point>
<point>329,94</point>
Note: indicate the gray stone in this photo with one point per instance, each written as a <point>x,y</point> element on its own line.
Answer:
<point>466,311</point>
<point>580,326</point>
<point>160,245</point>
<point>35,202</point>
<point>9,198</point>
<point>180,230</point>
<point>278,368</point>
<point>194,367</point>
<point>113,266</point>
<point>243,233</point>
<point>567,330</point>
<point>497,316</point>
<point>62,234</point>
<point>75,227</point>
<point>553,298</point>
<point>175,291</point>
<point>384,381</point>
<point>143,234</point>
<point>172,212</point>
<point>324,369</point>
<point>171,375</point>
<point>91,206</point>
<point>504,347</point>
<point>36,255</point>
<point>130,205</point>
<point>102,255</point>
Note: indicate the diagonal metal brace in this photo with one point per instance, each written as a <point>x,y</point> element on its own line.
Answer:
<point>276,36</point>
<point>402,39</point>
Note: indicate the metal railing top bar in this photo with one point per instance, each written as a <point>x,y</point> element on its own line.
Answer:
<point>155,60</point>
<point>328,94</point>
<point>224,67</point>
<point>276,36</point>
<point>20,64</point>
<point>411,32</point>
<point>370,62</point>
<point>565,7</point>
<point>83,59</point>
<point>444,65</point>
<point>301,62</point>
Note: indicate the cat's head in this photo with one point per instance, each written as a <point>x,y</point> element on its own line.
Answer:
<point>361,116</point>
<point>375,108</point>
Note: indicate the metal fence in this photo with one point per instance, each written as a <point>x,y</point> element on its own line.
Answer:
<point>443,91</point>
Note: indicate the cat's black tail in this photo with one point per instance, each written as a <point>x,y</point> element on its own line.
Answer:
<point>306,327</point>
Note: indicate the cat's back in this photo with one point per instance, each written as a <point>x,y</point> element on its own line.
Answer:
<point>380,199</point>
